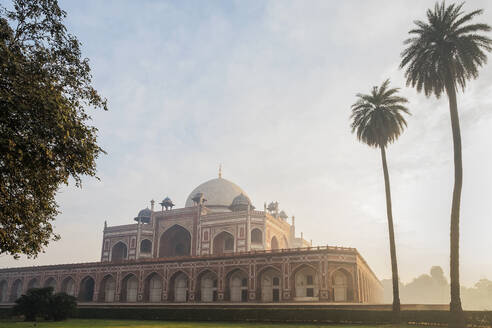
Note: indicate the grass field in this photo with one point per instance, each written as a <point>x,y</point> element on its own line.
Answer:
<point>163,324</point>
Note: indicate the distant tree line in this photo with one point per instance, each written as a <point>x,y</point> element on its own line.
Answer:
<point>433,288</point>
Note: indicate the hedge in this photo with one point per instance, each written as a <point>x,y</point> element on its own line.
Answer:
<point>475,318</point>
<point>293,315</point>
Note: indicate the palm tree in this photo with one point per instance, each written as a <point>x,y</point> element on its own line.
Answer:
<point>377,119</point>
<point>441,55</point>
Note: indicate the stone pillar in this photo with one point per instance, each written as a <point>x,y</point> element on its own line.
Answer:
<point>252,283</point>
<point>141,286</point>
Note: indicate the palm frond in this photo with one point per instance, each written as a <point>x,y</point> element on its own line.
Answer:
<point>377,118</point>
<point>446,50</point>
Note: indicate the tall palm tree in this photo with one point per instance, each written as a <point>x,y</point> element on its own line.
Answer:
<point>441,55</point>
<point>377,119</point>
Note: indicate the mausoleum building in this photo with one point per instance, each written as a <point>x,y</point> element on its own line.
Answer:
<point>218,248</point>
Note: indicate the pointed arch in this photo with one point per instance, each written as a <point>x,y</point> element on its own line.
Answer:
<point>269,284</point>
<point>236,285</point>
<point>256,236</point>
<point>129,288</point>
<point>107,289</point>
<point>222,243</point>
<point>50,282</point>
<point>86,289</point>
<point>178,290</point>
<point>68,286</point>
<point>153,284</point>
<point>145,246</point>
<point>206,286</point>
<point>305,282</point>
<point>33,283</point>
<point>274,243</point>
<point>342,285</point>
<point>175,241</point>
<point>119,252</point>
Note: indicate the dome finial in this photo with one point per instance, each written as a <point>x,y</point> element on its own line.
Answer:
<point>220,170</point>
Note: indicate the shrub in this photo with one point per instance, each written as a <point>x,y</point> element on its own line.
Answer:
<point>40,302</point>
<point>61,307</point>
<point>34,303</point>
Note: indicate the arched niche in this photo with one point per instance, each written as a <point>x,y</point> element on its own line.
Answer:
<point>178,287</point>
<point>33,283</point>
<point>306,284</point>
<point>107,289</point>
<point>206,288</point>
<point>50,282</point>
<point>175,241</point>
<point>86,290</point>
<point>223,243</point>
<point>341,281</point>
<point>274,243</point>
<point>256,236</point>
<point>153,288</point>
<point>237,286</point>
<point>119,252</point>
<point>269,284</point>
<point>68,286</point>
<point>145,246</point>
<point>129,288</point>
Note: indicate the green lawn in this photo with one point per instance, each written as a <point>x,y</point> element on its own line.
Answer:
<point>163,324</point>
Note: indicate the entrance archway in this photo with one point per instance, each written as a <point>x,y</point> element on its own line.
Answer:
<point>223,243</point>
<point>119,252</point>
<point>175,241</point>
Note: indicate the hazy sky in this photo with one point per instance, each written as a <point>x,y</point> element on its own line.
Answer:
<point>265,88</point>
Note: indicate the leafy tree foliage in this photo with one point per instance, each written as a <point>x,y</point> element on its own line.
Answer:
<point>45,136</point>
<point>442,54</point>
<point>377,120</point>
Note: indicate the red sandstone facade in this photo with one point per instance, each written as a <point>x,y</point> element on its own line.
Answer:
<point>215,250</point>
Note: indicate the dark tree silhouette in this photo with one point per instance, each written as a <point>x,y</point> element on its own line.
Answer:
<point>377,120</point>
<point>441,55</point>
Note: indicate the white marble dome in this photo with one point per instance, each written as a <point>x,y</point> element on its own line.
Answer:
<point>218,192</point>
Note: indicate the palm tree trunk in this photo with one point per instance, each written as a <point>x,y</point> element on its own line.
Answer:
<point>394,265</point>
<point>457,317</point>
